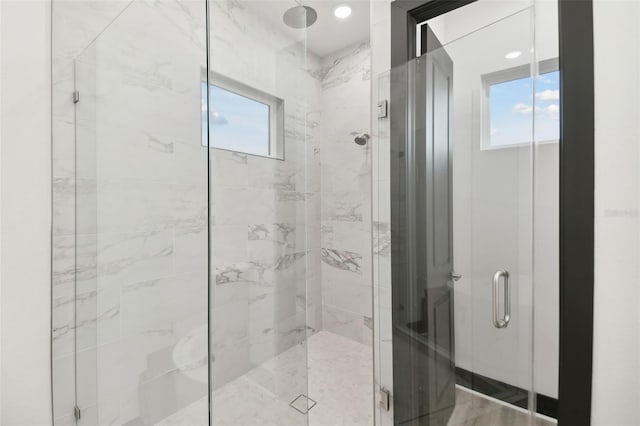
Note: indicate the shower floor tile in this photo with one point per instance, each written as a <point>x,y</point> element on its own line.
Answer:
<point>340,381</point>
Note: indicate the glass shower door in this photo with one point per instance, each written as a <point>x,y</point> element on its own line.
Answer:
<point>459,210</point>
<point>141,306</point>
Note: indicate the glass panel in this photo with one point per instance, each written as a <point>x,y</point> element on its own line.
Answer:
<point>141,219</point>
<point>460,217</point>
<point>383,342</point>
<point>259,250</point>
<point>546,217</point>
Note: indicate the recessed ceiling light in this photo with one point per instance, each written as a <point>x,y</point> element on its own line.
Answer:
<point>513,55</point>
<point>343,11</point>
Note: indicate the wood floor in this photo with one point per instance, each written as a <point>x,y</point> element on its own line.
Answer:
<point>475,410</point>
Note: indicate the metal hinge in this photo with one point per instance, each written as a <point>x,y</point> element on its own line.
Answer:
<point>385,399</point>
<point>383,109</point>
<point>76,97</point>
<point>76,413</point>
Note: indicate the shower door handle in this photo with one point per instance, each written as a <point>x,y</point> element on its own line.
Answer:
<point>504,321</point>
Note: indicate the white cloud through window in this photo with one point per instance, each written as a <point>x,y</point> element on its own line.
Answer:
<point>548,95</point>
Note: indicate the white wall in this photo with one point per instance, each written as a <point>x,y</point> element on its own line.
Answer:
<point>616,368</point>
<point>25,215</point>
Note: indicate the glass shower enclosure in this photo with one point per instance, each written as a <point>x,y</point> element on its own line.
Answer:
<point>194,221</point>
<point>194,257</point>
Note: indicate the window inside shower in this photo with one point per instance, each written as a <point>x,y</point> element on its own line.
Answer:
<point>242,119</point>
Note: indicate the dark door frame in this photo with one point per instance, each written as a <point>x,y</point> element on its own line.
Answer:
<point>575,23</point>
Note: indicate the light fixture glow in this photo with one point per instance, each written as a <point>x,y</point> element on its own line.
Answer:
<point>343,11</point>
<point>513,55</point>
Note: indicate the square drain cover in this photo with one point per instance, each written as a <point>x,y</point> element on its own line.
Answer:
<point>303,403</point>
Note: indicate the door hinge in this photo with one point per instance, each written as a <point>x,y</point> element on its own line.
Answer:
<point>385,399</point>
<point>76,412</point>
<point>383,109</point>
<point>76,97</point>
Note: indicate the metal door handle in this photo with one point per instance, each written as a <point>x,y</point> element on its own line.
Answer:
<point>504,321</point>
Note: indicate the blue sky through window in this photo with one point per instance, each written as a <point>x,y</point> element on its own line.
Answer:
<point>511,106</point>
<point>237,123</point>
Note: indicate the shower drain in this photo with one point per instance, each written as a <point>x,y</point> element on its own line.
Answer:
<point>303,403</point>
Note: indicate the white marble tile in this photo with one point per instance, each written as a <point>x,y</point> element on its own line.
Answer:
<point>231,362</point>
<point>140,153</point>
<point>351,297</point>
<point>269,309</point>
<point>136,257</point>
<point>63,157</point>
<point>229,168</point>
<point>244,402</point>
<point>339,377</point>
<point>345,112</point>
<point>230,324</point>
<point>354,326</point>
<point>230,292</point>
<point>144,196</point>
<point>340,380</point>
<point>63,375</point>
<point>85,320</point>
<point>74,264</point>
<point>157,399</point>
<point>87,385</point>
<point>341,262</point>
<point>190,248</point>
<point>194,414</point>
<point>146,205</point>
<point>229,245</point>
<point>158,305</point>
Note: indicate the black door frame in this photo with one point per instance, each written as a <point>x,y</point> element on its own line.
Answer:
<point>575,23</point>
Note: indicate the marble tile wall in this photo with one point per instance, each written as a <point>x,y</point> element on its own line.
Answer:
<point>345,78</point>
<point>75,25</point>
<point>265,229</point>
<point>130,211</point>
<point>140,282</point>
<point>291,240</point>
<point>140,221</point>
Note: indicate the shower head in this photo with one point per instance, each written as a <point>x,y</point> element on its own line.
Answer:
<point>362,139</point>
<point>299,17</point>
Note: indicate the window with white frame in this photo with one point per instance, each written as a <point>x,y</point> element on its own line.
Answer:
<point>509,102</point>
<point>242,118</point>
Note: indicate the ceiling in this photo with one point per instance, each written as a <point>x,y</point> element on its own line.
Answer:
<point>328,34</point>
<point>481,27</point>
